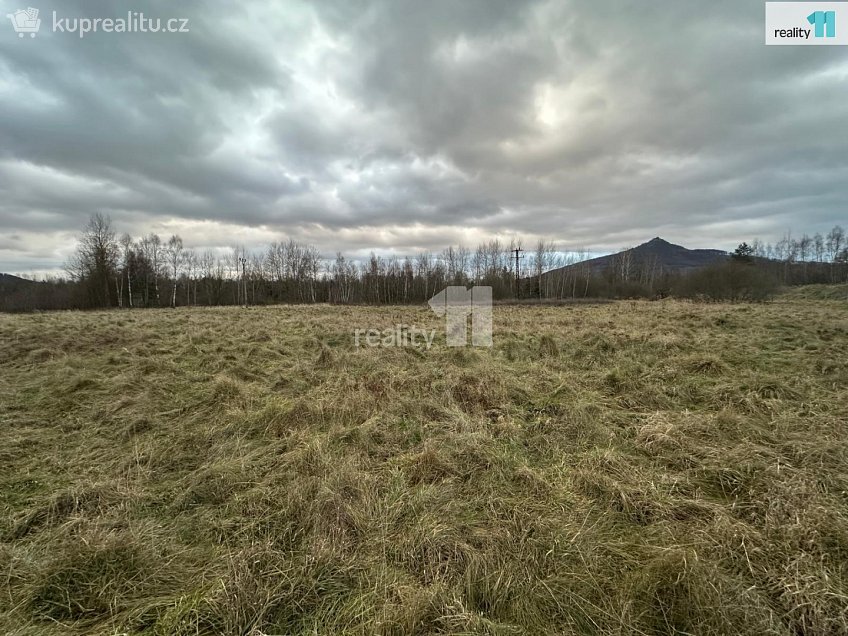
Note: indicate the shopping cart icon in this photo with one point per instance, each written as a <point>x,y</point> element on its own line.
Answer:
<point>25,21</point>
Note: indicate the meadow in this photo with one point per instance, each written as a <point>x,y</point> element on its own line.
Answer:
<point>624,468</point>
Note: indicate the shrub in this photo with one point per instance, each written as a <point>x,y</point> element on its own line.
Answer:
<point>733,281</point>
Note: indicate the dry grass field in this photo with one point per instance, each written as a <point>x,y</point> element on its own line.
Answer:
<point>626,468</point>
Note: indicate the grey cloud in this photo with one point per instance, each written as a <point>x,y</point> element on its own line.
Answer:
<point>593,123</point>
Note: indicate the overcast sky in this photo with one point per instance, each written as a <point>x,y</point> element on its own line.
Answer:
<point>399,125</point>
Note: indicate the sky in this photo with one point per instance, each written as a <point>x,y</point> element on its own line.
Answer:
<point>399,126</point>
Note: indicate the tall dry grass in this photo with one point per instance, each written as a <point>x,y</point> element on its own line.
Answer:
<point>627,468</point>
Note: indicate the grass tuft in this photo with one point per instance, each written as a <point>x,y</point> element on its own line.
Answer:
<point>622,468</point>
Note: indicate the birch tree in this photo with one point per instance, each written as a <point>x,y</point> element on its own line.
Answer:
<point>126,252</point>
<point>174,254</point>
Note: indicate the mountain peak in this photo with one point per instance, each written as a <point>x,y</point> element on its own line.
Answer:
<point>657,241</point>
<point>659,253</point>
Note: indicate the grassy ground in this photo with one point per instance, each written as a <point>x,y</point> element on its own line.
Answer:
<point>817,292</point>
<point>627,468</point>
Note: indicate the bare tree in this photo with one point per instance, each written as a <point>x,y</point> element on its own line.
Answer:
<point>312,266</point>
<point>818,247</point>
<point>625,263</point>
<point>834,245</point>
<point>786,250</point>
<point>805,244</point>
<point>212,270</point>
<point>151,247</point>
<point>190,263</point>
<point>835,240</point>
<point>95,261</point>
<point>234,267</point>
<point>174,255</point>
<point>542,261</point>
<point>424,272</point>
<point>343,280</point>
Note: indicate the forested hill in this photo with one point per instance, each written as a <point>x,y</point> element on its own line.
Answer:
<point>657,253</point>
<point>10,283</point>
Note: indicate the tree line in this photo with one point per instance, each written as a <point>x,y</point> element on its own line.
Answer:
<point>112,270</point>
<point>754,271</point>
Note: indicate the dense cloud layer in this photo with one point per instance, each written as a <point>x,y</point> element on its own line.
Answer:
<point>399,125</point>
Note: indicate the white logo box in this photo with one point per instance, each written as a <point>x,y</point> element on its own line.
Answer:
<point>788,23</point>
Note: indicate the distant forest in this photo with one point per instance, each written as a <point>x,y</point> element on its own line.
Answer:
<point>111,270</point>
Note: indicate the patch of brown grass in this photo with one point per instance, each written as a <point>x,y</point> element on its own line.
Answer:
<point>621,468</point>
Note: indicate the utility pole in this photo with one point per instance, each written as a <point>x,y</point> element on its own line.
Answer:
<point>517,251</point>
<point>243,261</point>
